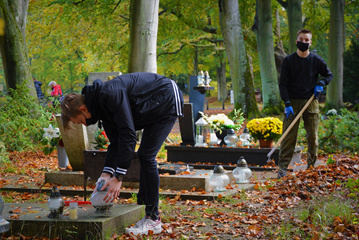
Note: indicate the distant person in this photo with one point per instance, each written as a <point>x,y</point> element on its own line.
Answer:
<point>56,89</point>
<point>40,94</point>
<point>299,80</point>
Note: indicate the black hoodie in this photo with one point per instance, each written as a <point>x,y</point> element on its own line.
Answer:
<point>128,103</point>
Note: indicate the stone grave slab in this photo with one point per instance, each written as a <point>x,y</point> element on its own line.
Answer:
<point>34,221</point>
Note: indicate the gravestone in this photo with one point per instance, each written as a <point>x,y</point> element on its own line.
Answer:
<point>187,126</point>
<point>196,98</point>
<point>75,142</point>
<point>92,77</point>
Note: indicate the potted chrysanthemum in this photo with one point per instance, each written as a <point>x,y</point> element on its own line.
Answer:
<point>266,130</point>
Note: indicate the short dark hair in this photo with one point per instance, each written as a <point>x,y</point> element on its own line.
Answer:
<point>70,107</point>
<point>305,31</point>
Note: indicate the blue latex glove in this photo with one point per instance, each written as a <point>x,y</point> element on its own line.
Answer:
<point>288,111</point>
<point>318,89</point>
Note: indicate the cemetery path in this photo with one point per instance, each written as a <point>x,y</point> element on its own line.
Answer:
<point>284,209</point>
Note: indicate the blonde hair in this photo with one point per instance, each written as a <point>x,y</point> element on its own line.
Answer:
<point>70,107</point>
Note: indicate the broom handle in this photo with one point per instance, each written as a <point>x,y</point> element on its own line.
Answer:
<point>290,126</point>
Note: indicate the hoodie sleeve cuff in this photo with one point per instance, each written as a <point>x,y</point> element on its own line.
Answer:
<point>121,171</point>
<point>109,170</point>
<point>321,83</point>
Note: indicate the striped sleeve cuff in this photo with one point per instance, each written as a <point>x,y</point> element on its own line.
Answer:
<point>121,171</point>
<point>109,170</point>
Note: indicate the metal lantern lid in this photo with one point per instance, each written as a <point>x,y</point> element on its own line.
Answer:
<point>245,130</point>
<point>218,169</point>
<point>231,131</point>
<point>242,162</point>
<point>201,122</point>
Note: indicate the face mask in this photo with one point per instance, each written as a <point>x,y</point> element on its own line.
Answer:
<point>302,46</point>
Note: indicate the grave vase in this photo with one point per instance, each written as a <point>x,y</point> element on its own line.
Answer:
<point>62,156</point>
<point>221,136</point>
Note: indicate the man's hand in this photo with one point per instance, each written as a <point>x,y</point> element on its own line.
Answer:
<point>318,89</point>
<point>114,187</point>
<point>289,112</point>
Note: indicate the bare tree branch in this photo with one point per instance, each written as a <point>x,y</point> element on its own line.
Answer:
<point>76,3</point>
<point>175,52</point>
<point>116,6</point>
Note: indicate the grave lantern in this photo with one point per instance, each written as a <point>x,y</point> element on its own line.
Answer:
<point>242,173</point>
<point>4,225</point>
<point>219,179</point>
<point>55,203</point>
<point>200,79</point>
<point>97,200</point>
<point>201,133</point>
<point>231,139</point>
<point>244,137</point>
<point>207,80</point>
<point>213,140</point>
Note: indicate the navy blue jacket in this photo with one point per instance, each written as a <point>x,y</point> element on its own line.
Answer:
<point>38,89</point>
<point>128,103</point>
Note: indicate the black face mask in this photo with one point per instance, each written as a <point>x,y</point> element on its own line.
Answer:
<point>302,46</point>
<point>90,121</point>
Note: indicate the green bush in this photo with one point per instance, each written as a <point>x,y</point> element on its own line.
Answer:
<point>337,133</point>
<point>22,120</point>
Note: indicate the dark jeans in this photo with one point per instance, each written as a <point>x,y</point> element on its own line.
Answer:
<point>152,139</point>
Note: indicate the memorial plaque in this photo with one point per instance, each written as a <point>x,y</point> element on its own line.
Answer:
<point>187,126</point>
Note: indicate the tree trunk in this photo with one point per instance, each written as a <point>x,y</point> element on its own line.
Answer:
<point>294,14</point>
<point>243,88</point>
<point>143,36</point>
<point>221,76</point>
<point>334,97</point>
<point>263,29</point>
<point>13,45</point>
<point>279,53</point>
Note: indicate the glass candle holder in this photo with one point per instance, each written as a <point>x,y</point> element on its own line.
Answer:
<point>231,139</point>
<point>201,133</point>
<point>102,207</point>
<point>242,173</point>
<point>73,210</point>
<point>245,137</point>
<point>55,203</point>
<point>213,140</point>
<point>219,179</point>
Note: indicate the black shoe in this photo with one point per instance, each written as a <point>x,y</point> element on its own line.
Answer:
<point>282,173</point>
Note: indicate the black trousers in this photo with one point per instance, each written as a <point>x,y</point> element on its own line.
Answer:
<point>152,139</point>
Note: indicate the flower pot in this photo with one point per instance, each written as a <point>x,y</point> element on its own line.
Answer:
<point>62,156</point>
<point>221,136</point>
<point>265,143</point>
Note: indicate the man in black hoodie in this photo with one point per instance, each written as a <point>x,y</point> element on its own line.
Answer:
<point>123,105</point>
<point>299,80</point>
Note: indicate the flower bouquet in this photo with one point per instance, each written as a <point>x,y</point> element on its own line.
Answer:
<point>101,140</point>
<point>221,121</point>
<point>268,128</point>
<point>51,138</point>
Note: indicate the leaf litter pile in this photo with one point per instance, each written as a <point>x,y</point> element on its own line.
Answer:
<point>268,211</point>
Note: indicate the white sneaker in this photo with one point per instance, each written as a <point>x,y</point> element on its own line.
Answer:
<point>144,225</point>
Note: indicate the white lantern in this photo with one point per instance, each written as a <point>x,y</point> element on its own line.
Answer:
<point>213,140</point>
<point>207,80</point>
<point>219,179</point>
<point>231,139</point>
<point>201,133</point>
<point>200,79</point>
<point>97,200</point>
<point>242,173</point>
<point>55,203</point>
<point>244,137</point>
